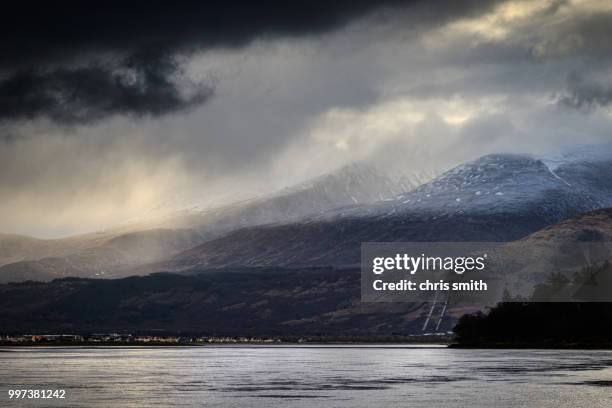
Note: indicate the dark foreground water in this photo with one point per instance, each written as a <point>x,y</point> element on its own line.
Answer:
<point>309,377</point>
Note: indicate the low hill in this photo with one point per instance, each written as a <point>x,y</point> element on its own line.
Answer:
<point>229,302</point>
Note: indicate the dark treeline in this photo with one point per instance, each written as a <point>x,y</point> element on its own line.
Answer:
<point>516,323</point>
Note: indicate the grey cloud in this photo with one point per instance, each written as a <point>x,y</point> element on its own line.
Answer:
<point>583,34</point>
<point>256,131</point>
<point>42,64</point>
<point>585,94</point>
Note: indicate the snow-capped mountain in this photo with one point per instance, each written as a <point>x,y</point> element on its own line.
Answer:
<point>353,185</point>
<point>514,184</point>
<point>582,153</point>
<point>506,183</point>
<point>498,197</point>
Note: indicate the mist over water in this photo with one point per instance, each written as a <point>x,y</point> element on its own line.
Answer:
<point>311,376</point>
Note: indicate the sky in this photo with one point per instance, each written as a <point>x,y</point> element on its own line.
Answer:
<point>108,113</point>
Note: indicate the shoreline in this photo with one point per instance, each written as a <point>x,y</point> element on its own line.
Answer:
<point>232,345</point>
<point>530,346</point>
<point>339,345</point>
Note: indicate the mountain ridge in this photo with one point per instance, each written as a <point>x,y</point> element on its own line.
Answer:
<point>494,198</point>
<point>103,255</point>
<point>234,301</point>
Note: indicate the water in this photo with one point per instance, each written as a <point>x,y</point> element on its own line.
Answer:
<point>310,377</point>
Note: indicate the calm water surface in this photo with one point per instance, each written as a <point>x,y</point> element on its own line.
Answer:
<point>310,377</point>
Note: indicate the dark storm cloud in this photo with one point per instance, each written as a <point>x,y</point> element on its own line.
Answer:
<point>55,31</point>
<point>141,85</point>
<point>46,59</point>
<point>40,83</point>
<point>298,90</point>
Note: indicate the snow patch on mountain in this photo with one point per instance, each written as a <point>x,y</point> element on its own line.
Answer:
<point>505,183</point>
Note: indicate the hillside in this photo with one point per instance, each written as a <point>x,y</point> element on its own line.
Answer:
<point>495,198</point>
<point>112,256</point>
<point>233,300</point>
<point>229,302</point>
<point>322,222</point>
<point>121,251</point>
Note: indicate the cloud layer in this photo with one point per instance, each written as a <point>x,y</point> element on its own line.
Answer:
<point>77,63</point>
<point>142,85</point>
<point>271,95</point>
